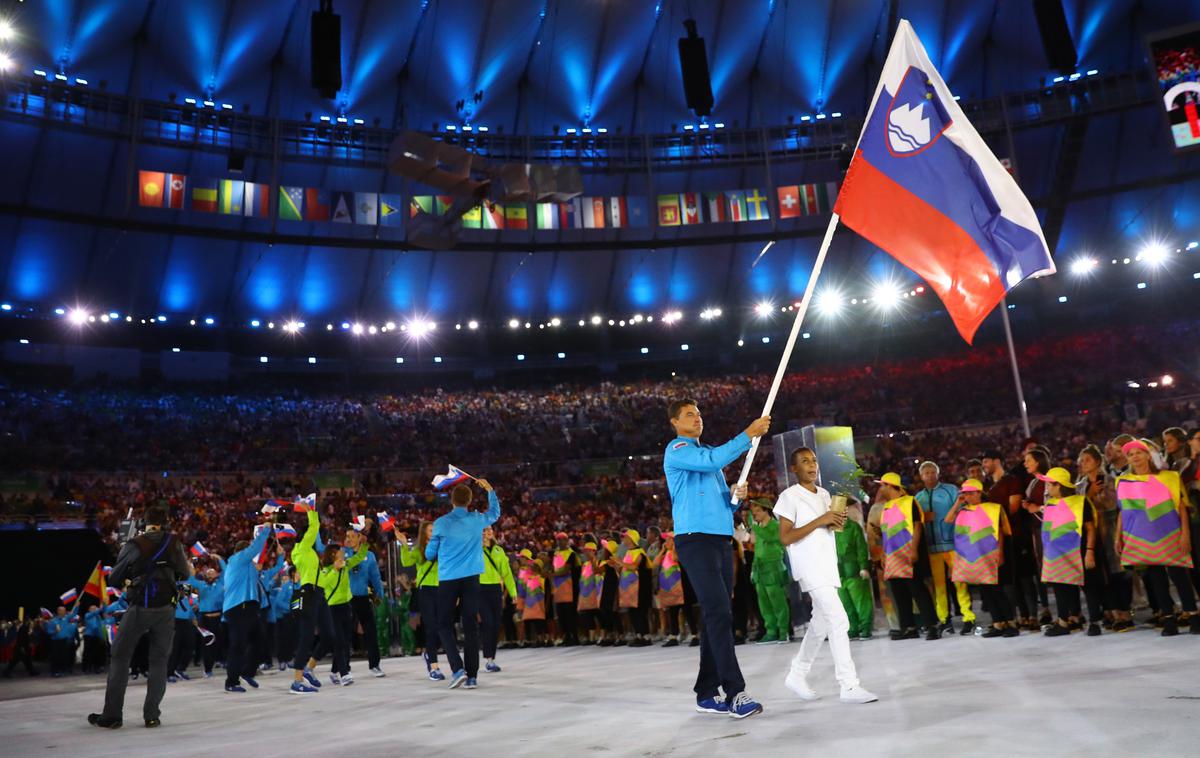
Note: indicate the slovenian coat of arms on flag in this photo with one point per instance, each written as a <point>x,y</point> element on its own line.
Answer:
<point>925,187</point>
<point>452,477</point>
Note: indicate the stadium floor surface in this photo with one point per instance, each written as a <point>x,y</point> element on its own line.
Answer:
<point>1131,694</point>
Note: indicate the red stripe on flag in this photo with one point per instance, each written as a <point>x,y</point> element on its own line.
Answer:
<point>1193,119</point>
<point>925,240</point>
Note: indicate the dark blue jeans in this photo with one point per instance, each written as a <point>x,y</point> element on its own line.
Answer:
<point>463,593</point>
<point>707,559</point>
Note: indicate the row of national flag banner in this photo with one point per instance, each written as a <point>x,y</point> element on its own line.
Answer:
<point>158,189</point>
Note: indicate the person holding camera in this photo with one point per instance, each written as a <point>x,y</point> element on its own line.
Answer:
<point>151,563</point>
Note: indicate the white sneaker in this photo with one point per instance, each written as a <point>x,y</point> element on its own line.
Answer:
<point>796,683</point>
<point>347,680</point>
<point>378,672</point>
<point>857,694</point>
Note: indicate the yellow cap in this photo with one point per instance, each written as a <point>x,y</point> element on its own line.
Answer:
<point>972,485</point>
<point>633,536</point>
<point>890,478</point>
<point>611,547</point>
<point>526,554</point>
<point>589,546</point>
<point>1058,475</point>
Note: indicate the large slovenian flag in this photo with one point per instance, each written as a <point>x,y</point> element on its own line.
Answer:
<point>924,186</point>
<point>452,477</point>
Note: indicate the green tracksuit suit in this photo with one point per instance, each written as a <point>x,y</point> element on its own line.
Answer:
<point>770,579</point>
<point>855,591</point>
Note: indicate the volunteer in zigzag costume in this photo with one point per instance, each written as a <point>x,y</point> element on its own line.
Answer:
<point>670,587</point>
<point>905,567</point>
<point>768,574</point>
<point>636,590</point>
<point>1155,533</point>
<point>565,569</point>
<point>1069,553</point>
<point>531,598</point>
<point>981,539</point>
<point>591,581</point>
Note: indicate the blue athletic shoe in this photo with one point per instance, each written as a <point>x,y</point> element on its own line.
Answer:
<point>183,676</point>
<point>170,679</point>
<point>300,688</point>
<point>471,683</point>
<point>234,688</point>
<point>311,678</point>
<point>712,705</point>
<point>337,680</point>
<point>744,706</point>
<point>436,675</point>
<point>492,668</point>
<point>250,681</point>
<point>458,679</point>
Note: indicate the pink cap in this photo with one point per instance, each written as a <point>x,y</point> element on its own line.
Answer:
<point>1134,445</point>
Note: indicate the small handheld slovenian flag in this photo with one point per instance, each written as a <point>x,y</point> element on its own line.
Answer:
<point>106,570</point>
<point>452,477</point>
<point>198,550</point>
<point>305,504</point>
<point>274,506</point>
<point>359,523</point>
<point>285,530</point>
<point>387,522</point>
<point>68,597</point>
<point>46,614</point>
<point>113,592</point>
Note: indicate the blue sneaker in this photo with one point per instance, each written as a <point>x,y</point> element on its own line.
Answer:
<point>712,705</point>
<point>458,679</point>
<point>471,683</point>
<point>436,675</point>
<point>300,688</point>
<point>744,706</point>
<point>335,679</point>
<point>250,681</point>
<point>492,668</point>
<point>171,679</point>
<point>183,676</point>
<point>311,678</point>
<point>234,688</point>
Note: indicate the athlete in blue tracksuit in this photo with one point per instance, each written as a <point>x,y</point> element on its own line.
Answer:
<point>94,644</point>
<point>64,631</point>
<point>242,609</point>
<point>210,600</point>
<point>365,576</point>
<point>703,516</point>
<point>282,618</point>
<point>266,638</point>
<point>185,637</point>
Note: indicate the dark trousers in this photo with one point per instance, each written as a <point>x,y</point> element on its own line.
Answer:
<point>1067,598</point>
<point>491,604</point>
<point>427,602</point>
<point>463,593</point>
<point>181,649</point>
<point>268,645</point>
<point>62,655</point>
<point>213,652</point>
<point>907,590</point>
<point>364,613</point>
<point>244,633</point>
<point>1118,591</point>
<point>21,655</point>
<point>313,615</point>
<point>1156,582</point>
<point>285,638</point>
<point>568,624</point>
<point>94,651</point>
<point>637,617</point>
<point>672,616</point>
<point>996,601</point>
<point>158,624</point>
<point>709,565</point>
<point>343,632</point>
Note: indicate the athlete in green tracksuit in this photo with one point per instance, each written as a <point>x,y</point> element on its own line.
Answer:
<point>768,574</point>
<point>855,592</point>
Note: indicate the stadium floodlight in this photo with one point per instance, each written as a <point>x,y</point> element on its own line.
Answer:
<point>356,329</point>
<point>7,31</point>
<point>829,302</point>
<point>671,317</point>
<point>1167,380</point>
<point>596,320</point>
<point>684,347</point>
<point>764,309</point>
<point>645,350</point>
<point>5,306</point>
<point>419,327</point>
<point>263,359</point>
<point>372,329</point>
<point>6,63</point>
<point>1083,266</point>
<point>886,296</point>
<point>390,325</point>
<point>311,360</point>
<point>472,324</point>
<point>561,356</point>
<point>1154,253</point>
<point>556,321</point>
<point>513,323</point>
<point>78,316</point>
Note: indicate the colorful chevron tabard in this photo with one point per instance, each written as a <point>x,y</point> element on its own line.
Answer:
<point>898,546</point>
<point>1151,529</point>
<point>1062,540</point>
<point>977,553</point>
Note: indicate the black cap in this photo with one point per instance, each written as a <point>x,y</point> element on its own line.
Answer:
<point>991,453</point>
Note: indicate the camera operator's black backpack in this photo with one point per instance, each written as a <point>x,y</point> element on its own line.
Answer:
<point>155,586</point>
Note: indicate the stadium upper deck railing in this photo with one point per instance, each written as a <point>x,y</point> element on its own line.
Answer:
<point>49,101</point>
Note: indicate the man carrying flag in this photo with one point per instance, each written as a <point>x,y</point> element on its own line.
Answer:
<point>924,186</point>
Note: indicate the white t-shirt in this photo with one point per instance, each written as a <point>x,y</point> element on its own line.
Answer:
<point>814,558</point>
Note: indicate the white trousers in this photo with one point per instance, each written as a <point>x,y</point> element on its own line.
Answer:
<point>829,621</point>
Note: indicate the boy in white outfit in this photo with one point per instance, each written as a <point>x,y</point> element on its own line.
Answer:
<point>806,528</point>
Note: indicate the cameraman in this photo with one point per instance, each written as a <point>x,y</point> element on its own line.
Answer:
<point>151,564</point>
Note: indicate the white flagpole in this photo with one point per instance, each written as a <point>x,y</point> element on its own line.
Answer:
<point>791,344</point>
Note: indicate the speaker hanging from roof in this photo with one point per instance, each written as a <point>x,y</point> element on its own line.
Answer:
<point>1056,35</point>
<point>693,63</point>
<point>326,50</point>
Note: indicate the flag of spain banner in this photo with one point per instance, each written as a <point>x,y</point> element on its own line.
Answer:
<point>516,216</point>
<point>291,203</point>
<point>668,210</point>
<point>547,216</point>
<point>151,187</point>
<point>925,188</point>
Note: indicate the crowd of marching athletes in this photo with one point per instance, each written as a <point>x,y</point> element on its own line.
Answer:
<point>1114,533</point>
